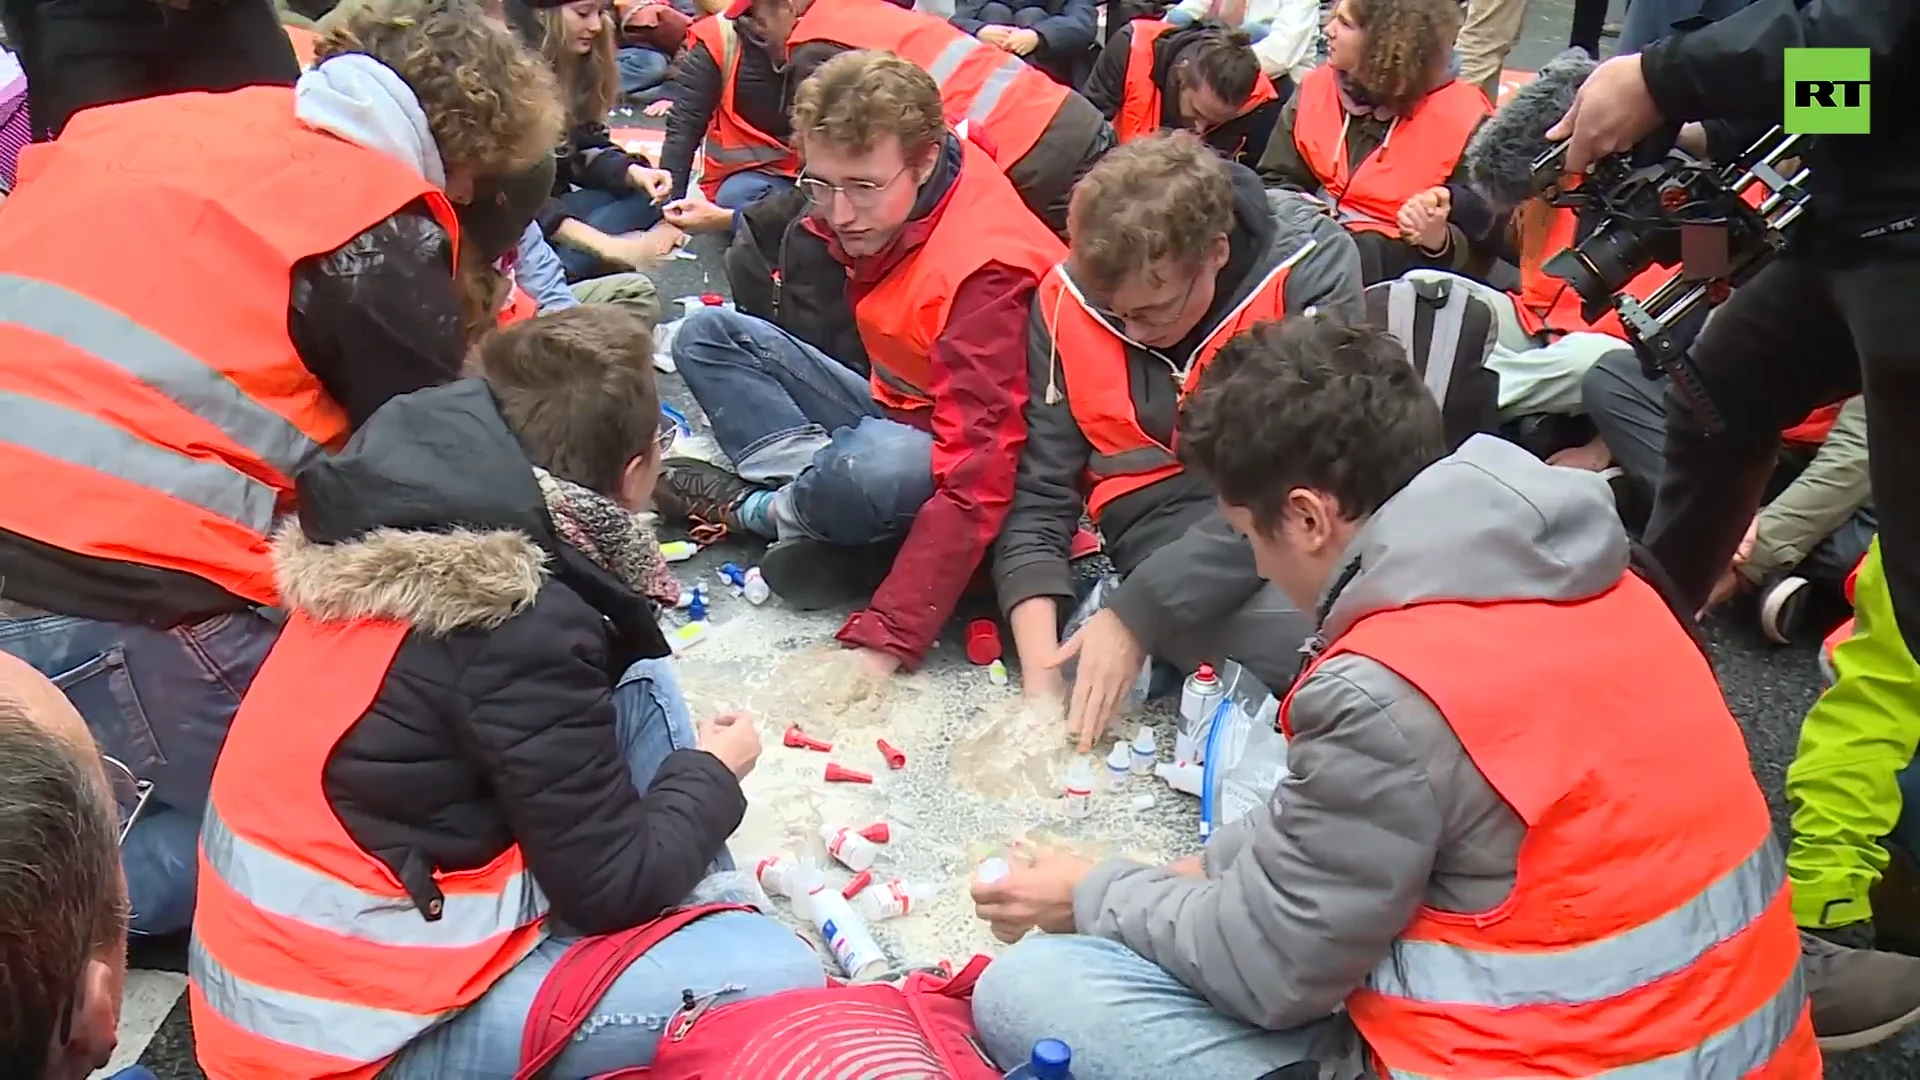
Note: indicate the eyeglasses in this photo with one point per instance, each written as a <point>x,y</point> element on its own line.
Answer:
<point>1154,315</point>
<point>860,194</point>
<point>130,794</point>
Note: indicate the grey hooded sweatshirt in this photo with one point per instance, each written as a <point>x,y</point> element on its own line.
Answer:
<point>1384,811</point>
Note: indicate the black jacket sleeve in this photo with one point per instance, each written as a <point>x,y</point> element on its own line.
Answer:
<point>1031,556</point>
<point>379,317</point>
<point>1107,85</point>
<point>541,727</point>
<point>696,95</point>
<point>1735,69</point>
<point>966,15</point>
<point>595,161</point>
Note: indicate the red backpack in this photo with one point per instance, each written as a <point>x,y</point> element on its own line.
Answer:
<point>919,1029</point>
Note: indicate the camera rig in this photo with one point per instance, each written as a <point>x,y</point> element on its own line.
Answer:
<point>1717,224</point>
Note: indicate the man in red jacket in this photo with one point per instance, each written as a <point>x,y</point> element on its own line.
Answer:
<point>888,473</point>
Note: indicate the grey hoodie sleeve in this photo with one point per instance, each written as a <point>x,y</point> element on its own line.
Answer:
<point>1208,572</point>
<point>1335,867</point>
<point>1030,557</point>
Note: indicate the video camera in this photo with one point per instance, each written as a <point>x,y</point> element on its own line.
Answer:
<point>1663,206</point>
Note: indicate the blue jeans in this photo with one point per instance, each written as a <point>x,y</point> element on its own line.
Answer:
<point>738,955</point>
<point>611,214</point>
<point>790,416</point>
<point>1125,1017</point>
<point>159,701</point>
<point>743,188</point>
<point>642,71</point>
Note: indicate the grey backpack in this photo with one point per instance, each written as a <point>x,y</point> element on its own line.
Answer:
<point>1448,333</point>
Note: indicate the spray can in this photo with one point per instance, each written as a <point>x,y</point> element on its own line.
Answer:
<point>1079,787</point>
<point>1146,751</point>
<point>754,587</point>
<point>889,900</point>
<point>776,875</point>
<point>1119,763</point>
<point>1198,698</point>
<point>848,847</point>
<point>846,935</point>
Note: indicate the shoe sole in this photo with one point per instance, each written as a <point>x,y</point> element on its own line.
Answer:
<point>1860,1040</point>
<point>811,576</point>
<point>1774,608</point>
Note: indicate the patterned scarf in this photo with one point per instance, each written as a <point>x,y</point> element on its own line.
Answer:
<point>621,543</point>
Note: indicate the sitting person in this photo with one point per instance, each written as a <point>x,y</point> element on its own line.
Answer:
<point>1203,78</point>
<point>134,540</point>
<point>1056,36</point>
<point>1475,868</point>
<point>649,34</point>
<point>1285,33</point>
<point>493,756</point>
<point>605,212</point>
<point>1174,252</point>
<point>1042,135</point>
<point>1814,531</point>
<point>63,934</point>
<point>910,444</point>
<point>729,105</point>
<point>1382,121</point>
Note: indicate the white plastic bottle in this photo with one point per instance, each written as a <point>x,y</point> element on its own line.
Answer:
<point>754,587</point>
<point>991,870</point>
<point>1079,787</point>
<point>805,885</point>
<point>848,847</point>
<point>1119,763</point>
<point>1183,776</point>
<point>1146,751</point>
<point>846,935</point>
<point>889,899</point>
<point>776,875</point>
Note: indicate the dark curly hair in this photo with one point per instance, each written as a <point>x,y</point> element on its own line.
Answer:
<point>1409,45</point>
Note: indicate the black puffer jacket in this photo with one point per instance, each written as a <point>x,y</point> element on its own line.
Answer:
<point>759,86</point>
<point>496,720</point>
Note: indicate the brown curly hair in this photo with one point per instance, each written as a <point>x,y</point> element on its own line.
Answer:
<point>492,105</point>
<point>1166,196</point>
<point>858,98</point>
<point>1409,45</point>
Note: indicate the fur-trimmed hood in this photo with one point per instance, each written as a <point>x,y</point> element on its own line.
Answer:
<point>435,582</point>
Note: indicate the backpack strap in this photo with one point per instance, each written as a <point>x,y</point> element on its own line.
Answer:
<point>1449,307</point>
<point>582,975</point>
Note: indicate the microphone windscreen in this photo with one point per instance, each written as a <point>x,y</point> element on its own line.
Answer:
<point>1501,154</point>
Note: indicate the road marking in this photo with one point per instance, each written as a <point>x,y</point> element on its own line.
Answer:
<point>150,996</point>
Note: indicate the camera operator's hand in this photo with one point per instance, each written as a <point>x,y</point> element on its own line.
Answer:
<point>1612,112</point>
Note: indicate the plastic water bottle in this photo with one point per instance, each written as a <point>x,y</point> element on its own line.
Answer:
<point>1198,699</point>
<point>1051,1060</point>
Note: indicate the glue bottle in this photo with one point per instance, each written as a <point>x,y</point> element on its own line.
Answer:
<point>754,587</point>
<point>697,606</point>
<point>848,847</point>
<point>846,935</point>
<point>805,884</point>
<point>1119,763</point>
<point>1050,1060</point>
<point>888,900</point>
<point>1079,787</point>
<point>1145,751</point>
<point>776,875</point>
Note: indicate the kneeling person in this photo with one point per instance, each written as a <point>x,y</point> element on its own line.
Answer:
<point>839,457</point>
<point>490,752</point>
<point>1502,856</point>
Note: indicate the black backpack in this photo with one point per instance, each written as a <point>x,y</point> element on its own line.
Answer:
<point>1448,333</point>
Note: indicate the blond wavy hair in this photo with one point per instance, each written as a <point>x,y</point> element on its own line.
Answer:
<point>492,105</point>
<point>591,83</point>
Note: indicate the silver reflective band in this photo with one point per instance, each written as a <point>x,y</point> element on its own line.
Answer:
<point>357,1033</point>
<point>946,64</point>
<point>1739,1051</point>
<point>740,155</point>
<point>196,386</point>
<point>1452,975</point>
<point>1129,462</point>
<point>76,438</point>
<point>281,887</point>
<point>948,61</point>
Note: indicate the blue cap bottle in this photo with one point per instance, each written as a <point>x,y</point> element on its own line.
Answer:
<point>1051,1060</point>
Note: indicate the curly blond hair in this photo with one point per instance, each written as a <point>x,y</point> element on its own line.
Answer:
<point>492,105</point>
<point>858,98</point>
<point>1164,197</point>
<point>1409,45</point>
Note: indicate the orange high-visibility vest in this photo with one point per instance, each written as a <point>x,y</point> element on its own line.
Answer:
<point>304,42</point>
<point>901,317</point>
<point>1814,429</point>
<point>980,84</point>
<point>157,391</point>
<point>1092,356</point>
<point>309,959</point>
<point>1648,929</point>
<point>1140,98</point>
<point>1419,151</point>
<point>1547,304</point>
<point>518,308</point>
<point>732,144</point>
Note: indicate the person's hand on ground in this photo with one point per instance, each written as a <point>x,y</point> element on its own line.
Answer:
<point>1612,111</point>
<point>1591,456</point>
<point>733,739</point>
<point>1110,660</point>
<point>1729,585</point>
<point>657,183</point>
<point>1023,42</point>
<point>659,108</point>
<point>1037,894</point>
<point>875,664</point>
<point>697,215</point>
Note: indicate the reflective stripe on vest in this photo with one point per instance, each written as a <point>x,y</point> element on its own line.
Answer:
<point>974,77</point>
<point>171,408</point>
<point>732,145</point>
<point>1091,354</point>
<point>1419,150</point>
<point>900,317</point>
<point>1648,933</point>
<point>310,959</point>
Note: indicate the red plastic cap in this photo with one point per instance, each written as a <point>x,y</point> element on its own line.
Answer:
<point>983,641</point>
<point>896,757</point>
<point>1205,672</point>
<point>840,774</point>
<point>860,881</point>
<point>713,299</point>
<point>879,832</point>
